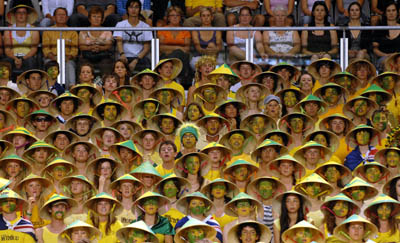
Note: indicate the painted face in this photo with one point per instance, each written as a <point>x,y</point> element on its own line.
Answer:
<point>243,208</point>
<point>384,211</point>
<point>380,121</point>
<point>321,139</point>
<point>286,168</point>
<point>265,188</point>
<point>296,124</point>
<point>5,73</point>
<point>210,94</point>
<point>360,107</point>
<point>149,109</point>
<point>292,203</point>
<point>197,206</point>
<point>277,138</point>
<point>248,235</point>
<point>150,205</point>
<point>312,155</point>
<point>373,174</point>
<point>313,189</point>
<point>110,112</point>
<point>331,96</point>
<point>193,113</point>
<point>377,97</point>
<point>218,190</point>
<point>213,126</point>
<point>192,164</point>
<point>59,172</point>
<point>147,82</point>
<point>189,140</point>
<point>195,234</point>
<point>345,82</point>
<point>303,235</point>
<point>311,108</point>
<point>363,137</point>
<point>79,234</point>
<point>268,154</point>
<point>167,125</point>
<point>289,99</point>
<point>58,210</point>
<point>43,100</point>
<point>40,155</point>
<point>103,207</point>
<point>126,95</point>
<point>13,168</point>
<point>341,209</point>
<point>257,124</point>
<point>388,82</point>
<point>137,236</point>
<point>358,193</point>
<point>170,190</point>
<point>332,174</point>
<point>8,205</point>
<point>165,96</point>
<point>241,173</point>
<point>53,72</point>
<point>392,158</point>
<point>236,141</point>
<point>23,108</point>
<point>356,231</point>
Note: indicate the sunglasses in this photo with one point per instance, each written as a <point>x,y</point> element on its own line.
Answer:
<point>43,119</point>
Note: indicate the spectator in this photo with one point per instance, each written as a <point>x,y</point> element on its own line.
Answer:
<point>236,40</point>
<point>232,9</point>
<point>30,3</point>
<point>378,10</point>
<point>175,44</point>
<point>342,14</point>
<point>5,77</point>
<point>22,46</point>
<point>50,6</point>
<point>206,42</point>
<point>387,42</point>
<point>83,7</point>
<point>193,12</point>
<point>281,44</point>
<point>95,45</point>
<point>319,43</point>
<point>271,5</point>
<point>146,12</point>
<point>204,66</point>
<point>133,46</point>
<point>122,70</point>
<point>159,9</point>
<point>53,70</point>
<point>49,44</point>
<point>306,10</point>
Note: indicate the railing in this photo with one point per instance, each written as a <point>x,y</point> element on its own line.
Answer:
<point>155,41</point>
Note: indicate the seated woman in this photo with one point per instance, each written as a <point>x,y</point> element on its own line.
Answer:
<point>273,107</point>
<point>319,43</point>
<point>389,157</point>
<point>306,82</point>
<point>306,10</point>
<point>236,40</point>
<point>122,71</point>
<point>270,6</point>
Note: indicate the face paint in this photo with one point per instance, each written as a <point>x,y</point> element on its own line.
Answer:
<point>210,95</point>
<point>243,208</point>
<point>192,164</point>
<point>373,174</point>
<point>126,95</point>
<point>392,158</point>
<point>380,121</point>
<point>345,82</point>
<point>188,140</point>
<point>136,236</point>
<point>53,72</point>
<point>23,108</point>
<point>313,189</point>
<point>289,99</point>
<point>195,234</point>
<point>213,126</point>
<point>296,124</point>
<point>377,97</point>
<point>257,125</point>
<point>236,141</point>
<point>341,208</point>
<point>59,172</point>
<point>193,113</point>
<point>170,189</point>
<point>58,214</point>
<point>332,174</point>
<point>9,205</point>
<point>150,205</point>
<point>277,138</point>
<point>149,109</point>
<point>167,125</point>
<point>265,188</point>
<point>388,82</point>
<point>218,190</point>
<point>331,96</point>
<point>165,97</point>
<point>303,235</point>
<point>360,107</point>
<point>110,112</point>
<point>197,206</point>
<point>358,193</point>
<point>241,173</point>
<point>321,139</point>
<point>84,94</point>
<point>362,137</point>
<point>384,211</point>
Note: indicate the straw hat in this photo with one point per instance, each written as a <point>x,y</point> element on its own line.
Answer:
<point>4,183</point>
<point>183,203</point>
<point>156,121</point>
<point>57,199</point>
<point>249,144</point>
<point>370,211</point>
<point>52,151</point>
<point>92,167</point>
<point>277,202</point>
<point>126,178</point>
<point>202,121</point>
<point>71,122</point>
<point>264,237</point>
<point>183,183</point>
<point>35,97</point>
<point>20,131</point>
<point>209,231</point>
<point>13,94</point>
<point>66,183</point>
<point>205,166</point>
<point>256,154</point>
<point>278,80</point>
<point>299,169</point>
<point>287,138</point>
<point>135,79</point>
<point>26,167</point>
<point>123,233</point>
<point>224,70</point>
<point>65,235</point>
<point>235,66</point>
<point>278,187</point>
<point>339,197</point>
<point>341,231</point>
<point>351,140</point>
<point>176,64</point>
<point>162,201</point>
<point>55,104</point>
<point>241,96</point>
<point>116,205</point>
<point>361,171</point>
<point>352,68</point>
<point>227,152</point>
<point>177,98</point>
<point>334,67</point>
<point>290,234</point>
<point>300,95</point>
<point>390,183</point>
<point>93,151</point>
<point>29,119</point>
<point>70,168</point>
<point>331,139</point>
<point>386,97</point>
<point>7,193</point>
<point>135,92</point>
<point>128,144</point>
<point>32,15</point>
<point>269,122</point>
<point>325,152</point>
<point>296,72</point>
<point>342,92</point>
<point>136,127</point>
<point>96,135</point>
<point>371,106</point>
<point>371,191</point>
<point>46,83</point>
<point>7,148</point>
<point>379,79</point>
<point>345,173</point>
<point>50,138</point>
<point>390,62</point>
<point>138,109</point>
<point>308,125</point>
<point>98,111</point>
<point>46,184</point>
<point>146,169</point>
<point>221,94</point>
<point>96,94</point>
<point>138,137</point>
<point>355,82</point>
<point>324,123</point>
<point>221,107</point>
<point>12,104</point>
<point>231,189</point>
<point>228,171</point>
<point>323,106</point>
<point>326,188</point>
<point>380,156</point>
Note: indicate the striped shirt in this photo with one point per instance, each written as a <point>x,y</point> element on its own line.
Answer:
<point>208,220</point>
<point>268,219</point>
<point>22,225</point>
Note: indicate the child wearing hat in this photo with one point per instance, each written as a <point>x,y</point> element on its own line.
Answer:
<point>219,156</point>
<point>189,135</point>
<point>137,232</point>
<point>79,231</point>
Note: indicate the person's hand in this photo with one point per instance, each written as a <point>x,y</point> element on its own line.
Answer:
<point>102,180</point>
<point>32,201</point>
<point>123,58</point>
<point>132,65</point>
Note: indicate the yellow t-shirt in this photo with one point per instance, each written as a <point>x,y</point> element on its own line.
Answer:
<point>126,217</point>
<point>224,220</point>
<point>173,215</point>
<point>207,3</point>
<point>213,174</point>
<point>111,237</point>
<point>160,169</point>
<point>36,220</point>
<point>342,150</point>
<point>48,236</point>
<point>12,236</point>
<point>154,158</point>
<point>387,237</point>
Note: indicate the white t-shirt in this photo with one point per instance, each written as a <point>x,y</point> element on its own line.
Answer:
<point>133,40</point>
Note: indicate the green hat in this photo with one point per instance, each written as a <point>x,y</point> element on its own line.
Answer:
<point>71,168</point>
<point>7,193</point>
<point>184,183</point>
<point>270,123</point>
<point>299,169</point>
<point>278,80</point>
<point>126,178</point>
<point>312,68</point>
<point>201,122</point>
<point>135,79</point>
<point>176,64</point>
<point>26,167</point>
<point>205,165</point>
<point>56,199</point>
<point>93,122</point>
<point>53,151</point>
<point>371,106</point>
<point>183,203</point>
<point>252,188</point>
<point>352,68</point>
<point>345,173</point>
<point>370,211</point>
<point>54,105</point>
<point>224,69</point>
<point>231,189</point>
<point>277,202</point>
<point>342,95</point>
<point>341,231</point>
<point>331,139</point>
<point>380,156</point>
<point>339,197</point>
<point>374,135</point>
<point>287,138</point>
<point>256,155</point>
<point>116,205</point>
<point>324,123</point>
<point>188,127</point>
<point>371,191</point>
<point>93,151</point>
<point>378,79</point>
<point>162,201</point>
<point>375,89</point>
<point>32,115</point>
<point>177,99</point>
<point>65,235</point>
<point>334,79</point>
<point>233,233</point>
<point>128,144</point>
<point>209,231</point>
<point>93,166</point>
<point>123,233</point>
<point>240,162</point>
<point>323,107</point>
<point>147,169</point>
<point>66,183</point>
<point>326,188</point>
<point>325,152</point>
<point>284,122</point>
<point>361,171</point>
<point>317,234</point>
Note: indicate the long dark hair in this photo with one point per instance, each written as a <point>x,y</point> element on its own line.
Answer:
<point>392,218</point>
<point>392,188</point>
<point>284,218</point>
<point>128,73</point>
<point>330,218</point>
<point>384,17</point>
<point>316,4</point>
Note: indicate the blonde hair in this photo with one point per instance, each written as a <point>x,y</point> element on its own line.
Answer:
<point>203,60</point>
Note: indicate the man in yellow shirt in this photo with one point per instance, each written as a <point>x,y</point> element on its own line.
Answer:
<point>193,12</point>
<point>167,153</point>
